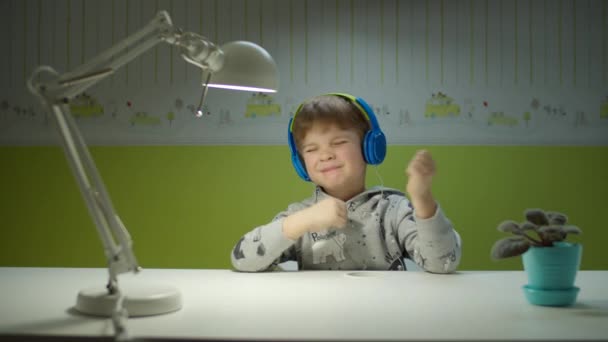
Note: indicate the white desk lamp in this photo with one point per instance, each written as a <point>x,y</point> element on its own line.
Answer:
<point>236,65</point>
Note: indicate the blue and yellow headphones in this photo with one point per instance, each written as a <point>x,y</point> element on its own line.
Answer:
<point>374,141</point>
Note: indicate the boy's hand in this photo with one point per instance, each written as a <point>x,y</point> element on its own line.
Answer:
<point>420,172</point>
<point>330,212</point>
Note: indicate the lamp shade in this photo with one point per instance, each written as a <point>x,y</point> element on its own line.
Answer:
<point>247,66</point>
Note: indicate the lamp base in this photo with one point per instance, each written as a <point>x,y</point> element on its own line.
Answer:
<point>140,300</point>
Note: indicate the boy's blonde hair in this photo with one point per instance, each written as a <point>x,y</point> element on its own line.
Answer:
<point>328,109</point>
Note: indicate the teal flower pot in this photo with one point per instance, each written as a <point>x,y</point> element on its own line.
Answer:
<point>552,268</point>
<point>551,273</point>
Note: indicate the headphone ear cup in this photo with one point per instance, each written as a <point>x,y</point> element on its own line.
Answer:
<point>295,157</point>
<point>374,147</point>
<point>300,169</point>
<point>374,141</point>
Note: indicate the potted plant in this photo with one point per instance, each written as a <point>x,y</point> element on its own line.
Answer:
<point>550,262</point>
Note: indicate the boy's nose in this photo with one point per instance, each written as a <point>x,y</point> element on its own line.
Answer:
<point>327,154</point>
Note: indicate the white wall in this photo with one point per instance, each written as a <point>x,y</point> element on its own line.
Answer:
<point>496,60</point>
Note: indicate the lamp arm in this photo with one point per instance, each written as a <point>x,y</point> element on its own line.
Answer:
<point>115,238</point>
<point>55,94</point>
<point>195,49</point>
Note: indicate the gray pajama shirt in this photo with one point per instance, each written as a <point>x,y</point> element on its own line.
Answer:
<point>382,230</point>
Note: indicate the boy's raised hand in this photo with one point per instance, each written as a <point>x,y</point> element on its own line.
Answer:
<point>328,213</point>
<point>420,172</point>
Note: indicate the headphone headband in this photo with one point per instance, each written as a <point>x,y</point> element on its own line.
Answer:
<point>358,102</point>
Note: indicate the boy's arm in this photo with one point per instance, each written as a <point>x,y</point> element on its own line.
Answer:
<point>273,243</point>
<point>263,247</point>
<point>432,243</point>
<point>425,233</point>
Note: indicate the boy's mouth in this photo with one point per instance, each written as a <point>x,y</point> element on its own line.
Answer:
<point>329,169</point>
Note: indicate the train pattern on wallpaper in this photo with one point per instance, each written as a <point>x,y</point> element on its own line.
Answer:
<point>435,71</point>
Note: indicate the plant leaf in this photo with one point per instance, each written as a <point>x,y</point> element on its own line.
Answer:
<point>527,225</point>
<point>509,226</point>
<point>552,233</point>
<point>509,247</point>
<point>537,216</point>
<point>557,218</point>
<point>569,229</point>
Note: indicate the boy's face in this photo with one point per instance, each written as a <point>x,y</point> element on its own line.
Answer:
<point>334,160</point>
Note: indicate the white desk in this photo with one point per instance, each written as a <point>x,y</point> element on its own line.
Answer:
<point>222,304</point>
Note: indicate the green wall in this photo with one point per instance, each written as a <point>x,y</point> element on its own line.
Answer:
<point>185,206</point>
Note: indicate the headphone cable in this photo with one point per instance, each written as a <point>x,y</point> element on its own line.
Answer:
<point>375,167</point>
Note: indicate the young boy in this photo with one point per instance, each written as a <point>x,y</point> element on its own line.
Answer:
<point>343,226</point>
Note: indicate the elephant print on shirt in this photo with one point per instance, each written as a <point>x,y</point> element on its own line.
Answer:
<point>333,246</point>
